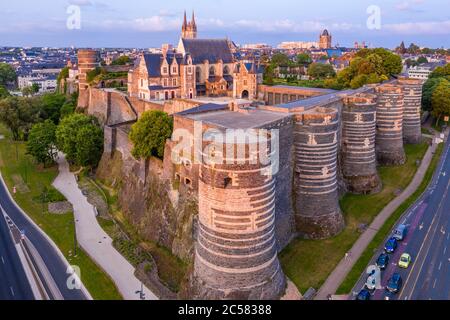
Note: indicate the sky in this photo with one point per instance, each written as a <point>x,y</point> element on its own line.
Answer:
<point>150,23</point>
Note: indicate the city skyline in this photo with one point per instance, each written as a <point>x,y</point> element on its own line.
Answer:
<point>145,24</point>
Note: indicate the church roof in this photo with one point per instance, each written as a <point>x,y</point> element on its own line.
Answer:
<point>212,50</point>
<point>154,61</point>
<point>325,33</point>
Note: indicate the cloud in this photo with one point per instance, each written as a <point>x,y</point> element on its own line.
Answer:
<point>420,28</point>
<point>411,6</point>
<point>81,3</point>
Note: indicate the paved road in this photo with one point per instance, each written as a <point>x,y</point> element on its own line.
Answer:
<point>55,264</point>
<point>428,242</point>
<point>14,284</point>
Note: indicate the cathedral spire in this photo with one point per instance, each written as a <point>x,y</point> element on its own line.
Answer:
<point>185,20</point>
<point>194,25</point>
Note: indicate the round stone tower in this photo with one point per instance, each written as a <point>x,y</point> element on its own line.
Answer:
<point>318,214</point>
<point>412,90</point>
<point>389,139</point>
<point>87,61</point>
<point>236,253</point>
<point>359,163</point>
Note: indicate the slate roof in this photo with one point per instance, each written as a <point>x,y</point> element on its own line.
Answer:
<point>154,61</point>
<point>212,50</point>
<point>204,108</point>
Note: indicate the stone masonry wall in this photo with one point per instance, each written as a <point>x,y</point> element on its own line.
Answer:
<point>412,91</point>
<point>316,141</point>
<point>389,139</point>
<point>359,165</point>
<point>236,250</point>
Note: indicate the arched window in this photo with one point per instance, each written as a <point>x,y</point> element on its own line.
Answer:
<point>226,70</point>
<point>212,71</point>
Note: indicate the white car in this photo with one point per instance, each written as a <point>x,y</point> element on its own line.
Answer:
<point>371,283</point>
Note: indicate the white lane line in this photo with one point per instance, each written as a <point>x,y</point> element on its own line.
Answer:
<point>440,266</point>
<point>3,260</point>
<point>435,281</point>
<point>445,250</point>
<point>12,291</point>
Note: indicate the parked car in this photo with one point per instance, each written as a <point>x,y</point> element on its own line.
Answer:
<point>371,283</point>
<point>363,295</point>
<point>405,261</point>
<point>400,232</point>
<point>395,283</point>
<point>383,261</point>
<point>391,245</point>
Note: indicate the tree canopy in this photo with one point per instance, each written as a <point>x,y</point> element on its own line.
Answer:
<point>440,100</point>
<point>321,71</point>
<point>121,61</point>
<point>150,133</point>
<point>19,115</point>
<point>41,143</point>
<point>81,139</point>
<point>7,74</point>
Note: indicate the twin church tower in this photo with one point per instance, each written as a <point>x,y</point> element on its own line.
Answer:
<point>189,29</point>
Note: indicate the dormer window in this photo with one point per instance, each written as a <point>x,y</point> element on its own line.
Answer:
<point>189,70</point>
<point>165,70</point>
<point>174,70</point>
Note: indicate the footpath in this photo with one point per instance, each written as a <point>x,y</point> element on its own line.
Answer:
<point>95,241</point>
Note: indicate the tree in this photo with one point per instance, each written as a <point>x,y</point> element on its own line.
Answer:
<point>3,92</point>
<point>19,115</point>
<point>67,135</point>
<point>303,59</point>
<point>7,74</point>
<point>150,133</point>
<point>427,92</point>
<point>89,144</point>
<point>441,71</point>
<point>422,60</point>
<point>41,142</point>
<point>121,61</point>
<point>280,59</point>
<point>51,104</point>
<point>31,90</point>
<point>440,100</point>
<point>269,75</point>
<point>321,71</point>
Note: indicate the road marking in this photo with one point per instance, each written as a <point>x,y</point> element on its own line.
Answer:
<point>438,213</point>
<point>12,291</point>
<point>440,265</point>
<point>445,250</point>
<point>434,285</point>
<point>3,260</point>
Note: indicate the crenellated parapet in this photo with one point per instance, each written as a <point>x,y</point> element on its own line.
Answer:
<point>389,139</point>
<point>316,140</point>
<point>359,163</point>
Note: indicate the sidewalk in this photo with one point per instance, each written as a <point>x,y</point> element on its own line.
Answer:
<point>344,267</point>
<point>94,240</point>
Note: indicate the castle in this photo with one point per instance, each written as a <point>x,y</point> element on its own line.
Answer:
<point>324,143</point>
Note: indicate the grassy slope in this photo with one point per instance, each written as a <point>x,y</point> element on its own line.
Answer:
<point>60,228</point>
<point>363,261</point>
<point>308,262</point>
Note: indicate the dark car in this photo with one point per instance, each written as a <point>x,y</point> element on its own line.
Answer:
<point>383,261</point>
<point>395,283</point>
<point>391,245</point>
<point>363,295</point>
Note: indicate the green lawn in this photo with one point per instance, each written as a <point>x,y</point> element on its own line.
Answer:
<point>308,263</point>
<point>19,169</point>
<point>351,279</point>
